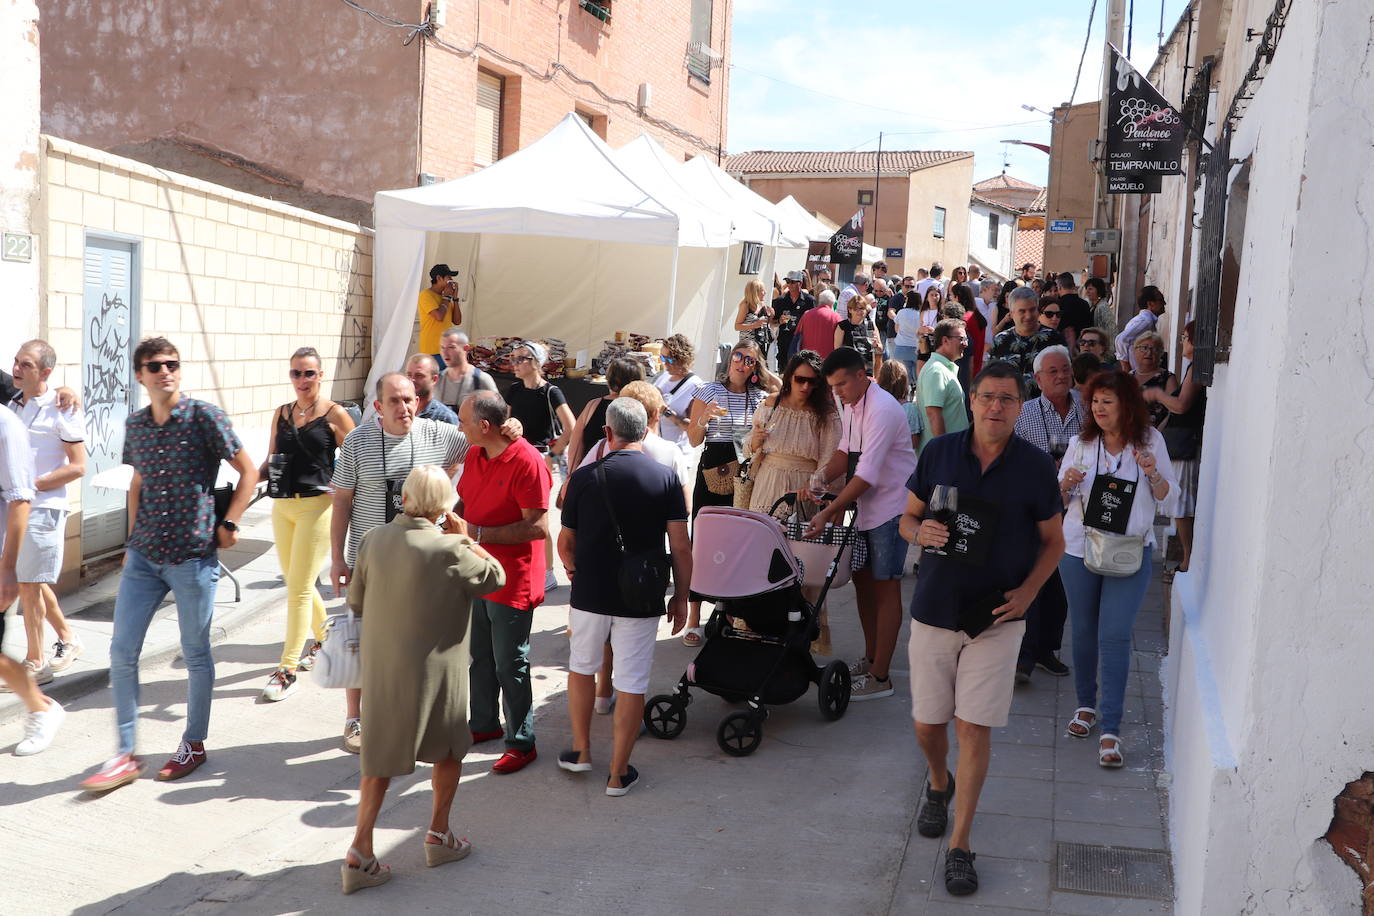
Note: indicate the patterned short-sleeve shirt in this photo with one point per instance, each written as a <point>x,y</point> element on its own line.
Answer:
<point>178,462</point>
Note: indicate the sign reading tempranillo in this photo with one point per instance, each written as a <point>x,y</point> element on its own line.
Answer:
<point>1145,134</point>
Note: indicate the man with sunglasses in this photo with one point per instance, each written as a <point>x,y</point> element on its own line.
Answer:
<point>788,309</point>
<point>175,446</point>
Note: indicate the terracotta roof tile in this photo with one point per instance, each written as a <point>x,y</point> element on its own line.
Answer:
<point>1004,181</point>
<point>823,161</point>
<point>1041,201</point>
<point>1030,247</point>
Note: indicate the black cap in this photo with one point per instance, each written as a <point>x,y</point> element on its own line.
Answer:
<point>440,270</point>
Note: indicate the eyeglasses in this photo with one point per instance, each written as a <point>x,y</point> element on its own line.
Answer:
<point>809,380</point>
<point>156,365</point>
<point>1091,342</point>
<point>1002,400</point>
<point>298,373</point>
<point>1048,313</point>
<point>745,358</point>
<point>520,360</point>
<point>1143,348</point>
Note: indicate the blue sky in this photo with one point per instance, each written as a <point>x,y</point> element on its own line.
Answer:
<point>929,74</point>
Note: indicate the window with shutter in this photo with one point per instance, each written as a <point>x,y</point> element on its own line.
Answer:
<point>938,230</point>
<point>994,226</point>
<point>488,133</point>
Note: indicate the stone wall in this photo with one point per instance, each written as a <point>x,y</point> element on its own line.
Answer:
<point>236,282</point>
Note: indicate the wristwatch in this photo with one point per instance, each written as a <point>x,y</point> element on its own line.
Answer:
<point>229,526</point>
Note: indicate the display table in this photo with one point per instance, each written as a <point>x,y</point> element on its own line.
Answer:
<point>578,391</point>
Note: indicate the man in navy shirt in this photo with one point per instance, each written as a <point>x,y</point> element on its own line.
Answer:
<point>624,504</point>
<point>972,594</point>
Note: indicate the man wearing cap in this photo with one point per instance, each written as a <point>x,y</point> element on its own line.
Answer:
<point>439,309</point>
<point>787,310</point>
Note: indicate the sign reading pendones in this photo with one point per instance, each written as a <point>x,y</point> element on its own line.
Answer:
<point>1145,134</point>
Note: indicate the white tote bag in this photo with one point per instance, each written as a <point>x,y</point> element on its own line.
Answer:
<point>340,662</point>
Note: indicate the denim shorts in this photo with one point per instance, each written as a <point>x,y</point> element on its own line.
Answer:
<point>887,549</point>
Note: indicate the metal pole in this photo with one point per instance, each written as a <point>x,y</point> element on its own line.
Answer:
<point>1116,30</point>
<point>877,178</point>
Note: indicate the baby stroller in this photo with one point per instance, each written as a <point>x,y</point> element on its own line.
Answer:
<point>744,561</point>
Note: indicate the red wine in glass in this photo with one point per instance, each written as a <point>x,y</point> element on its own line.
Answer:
<point>944,507</point>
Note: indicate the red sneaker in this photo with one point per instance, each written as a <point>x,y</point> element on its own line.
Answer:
<point>188,757</point>
<point>513,760</point>
<point>479,737</point>
<point>116,772</point>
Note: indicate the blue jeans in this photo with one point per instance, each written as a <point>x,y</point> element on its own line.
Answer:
<point>1103,610</point>
<point>907,357</point>
<point>142,586</point>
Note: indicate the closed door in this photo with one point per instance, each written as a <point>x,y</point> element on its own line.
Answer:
<point>107,376</point>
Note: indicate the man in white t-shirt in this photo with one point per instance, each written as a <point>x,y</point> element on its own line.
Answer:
<point>858,288</point>
<point>57,443</point>
<point>935,278</point>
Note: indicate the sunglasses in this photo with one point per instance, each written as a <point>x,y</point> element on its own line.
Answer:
<point>1050,313</point>
<point>745,358</point>
<point>809,380</point>
<point>304,373</point>
<point>668,359</point>
<point>522,359</point>
<point>155,365</point>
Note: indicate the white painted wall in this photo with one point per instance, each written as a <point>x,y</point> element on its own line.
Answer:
<point>1268,680</point>
<point>19,74</point>
<point>998,259</point>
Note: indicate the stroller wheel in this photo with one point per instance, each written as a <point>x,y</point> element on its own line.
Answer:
<point>832,693</point>
<point>740,734</point>
<point>665,716</point>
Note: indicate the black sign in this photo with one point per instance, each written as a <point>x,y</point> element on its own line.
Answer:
<point>847,244</point>
<point>1134,184</point>
<point>1145,134</point>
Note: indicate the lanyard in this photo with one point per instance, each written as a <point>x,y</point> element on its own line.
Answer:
<point>1111,472</point>
<point>410,437</point>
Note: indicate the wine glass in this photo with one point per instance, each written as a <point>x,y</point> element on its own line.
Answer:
<point>944,506</point>
<point>1059,444</point>
<point>817,485</point>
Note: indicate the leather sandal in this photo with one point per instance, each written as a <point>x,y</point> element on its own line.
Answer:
<point>448,849</point>
<point>369,873</point>
<point>1080,727</point>
<point>1109,755</point>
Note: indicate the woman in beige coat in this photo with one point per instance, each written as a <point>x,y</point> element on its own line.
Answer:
<point>413,584</point>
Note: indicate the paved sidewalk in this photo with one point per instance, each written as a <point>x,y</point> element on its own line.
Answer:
<point>819,820</point>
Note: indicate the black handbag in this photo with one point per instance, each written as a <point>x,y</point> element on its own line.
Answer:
<point>643,578</point>
<point>1182,442</point>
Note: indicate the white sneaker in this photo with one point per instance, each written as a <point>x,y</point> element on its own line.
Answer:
<point>41,672</point>
<point>40,728</point>
<point>64,653</point>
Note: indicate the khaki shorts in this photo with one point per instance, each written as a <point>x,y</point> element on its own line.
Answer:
<point>952,675</point>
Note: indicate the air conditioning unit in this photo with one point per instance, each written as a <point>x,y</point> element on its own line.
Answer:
<point>1102,241</point>
<point>702,49</point>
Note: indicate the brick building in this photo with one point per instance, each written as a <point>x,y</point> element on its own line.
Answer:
<point>922,199</point>
<point>320,104</point>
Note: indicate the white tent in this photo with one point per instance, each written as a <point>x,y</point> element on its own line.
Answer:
<point>556,240</point>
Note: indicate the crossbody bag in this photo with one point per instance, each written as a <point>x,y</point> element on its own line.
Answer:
<point>643,578</point>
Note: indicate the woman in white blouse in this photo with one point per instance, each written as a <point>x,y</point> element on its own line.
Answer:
<point>1115,477</point>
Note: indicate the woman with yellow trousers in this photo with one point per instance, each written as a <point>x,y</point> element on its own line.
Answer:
<point>300,463</point>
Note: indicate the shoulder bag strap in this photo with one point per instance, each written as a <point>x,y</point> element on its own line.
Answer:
<point>680,382</point>
<point>615,525</point>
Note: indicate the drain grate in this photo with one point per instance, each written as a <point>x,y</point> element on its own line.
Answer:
<point>1113,871</point>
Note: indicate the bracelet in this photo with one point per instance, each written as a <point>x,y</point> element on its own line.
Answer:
<point>1155,479</point>
<point>477,538</point>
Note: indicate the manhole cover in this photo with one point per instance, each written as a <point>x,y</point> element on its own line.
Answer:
<point>1113,871</point>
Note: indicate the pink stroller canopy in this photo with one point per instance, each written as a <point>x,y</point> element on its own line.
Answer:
<point>737,553</point>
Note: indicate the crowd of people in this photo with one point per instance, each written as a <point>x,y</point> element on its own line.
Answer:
<point>1005,430</point>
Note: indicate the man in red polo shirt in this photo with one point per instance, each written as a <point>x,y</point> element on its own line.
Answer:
<point>504,496</point>
<point>817,326</point>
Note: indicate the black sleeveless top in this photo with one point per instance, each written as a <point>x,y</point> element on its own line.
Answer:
<point>595,431</point>
<point>1195,415</point>
<point>310,453</point>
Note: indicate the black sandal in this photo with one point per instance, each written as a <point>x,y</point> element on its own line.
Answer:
<point>961,878</point>
<point>934,814</point>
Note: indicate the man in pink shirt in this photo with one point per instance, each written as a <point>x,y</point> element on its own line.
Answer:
<point>876,459</point>
<point>816,329</point>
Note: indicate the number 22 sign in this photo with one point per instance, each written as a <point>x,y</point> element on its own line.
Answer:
<point>16,246</point>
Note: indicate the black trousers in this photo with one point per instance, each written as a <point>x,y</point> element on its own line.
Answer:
<point>1044,623</point>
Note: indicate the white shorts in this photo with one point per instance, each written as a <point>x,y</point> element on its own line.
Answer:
<point>632,640</point>
<point>40,553</point>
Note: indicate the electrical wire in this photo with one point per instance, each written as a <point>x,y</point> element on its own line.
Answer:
<point>1092,14</point>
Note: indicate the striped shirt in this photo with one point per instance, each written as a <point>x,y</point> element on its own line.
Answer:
<point>741,405</point>
<point>370,456</point>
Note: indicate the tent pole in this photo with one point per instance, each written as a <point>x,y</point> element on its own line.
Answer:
<point>672,294</point>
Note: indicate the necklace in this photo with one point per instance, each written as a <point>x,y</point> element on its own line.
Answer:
<point>306,412</point>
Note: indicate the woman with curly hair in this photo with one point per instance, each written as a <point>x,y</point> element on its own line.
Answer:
<point>1115,477</point>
